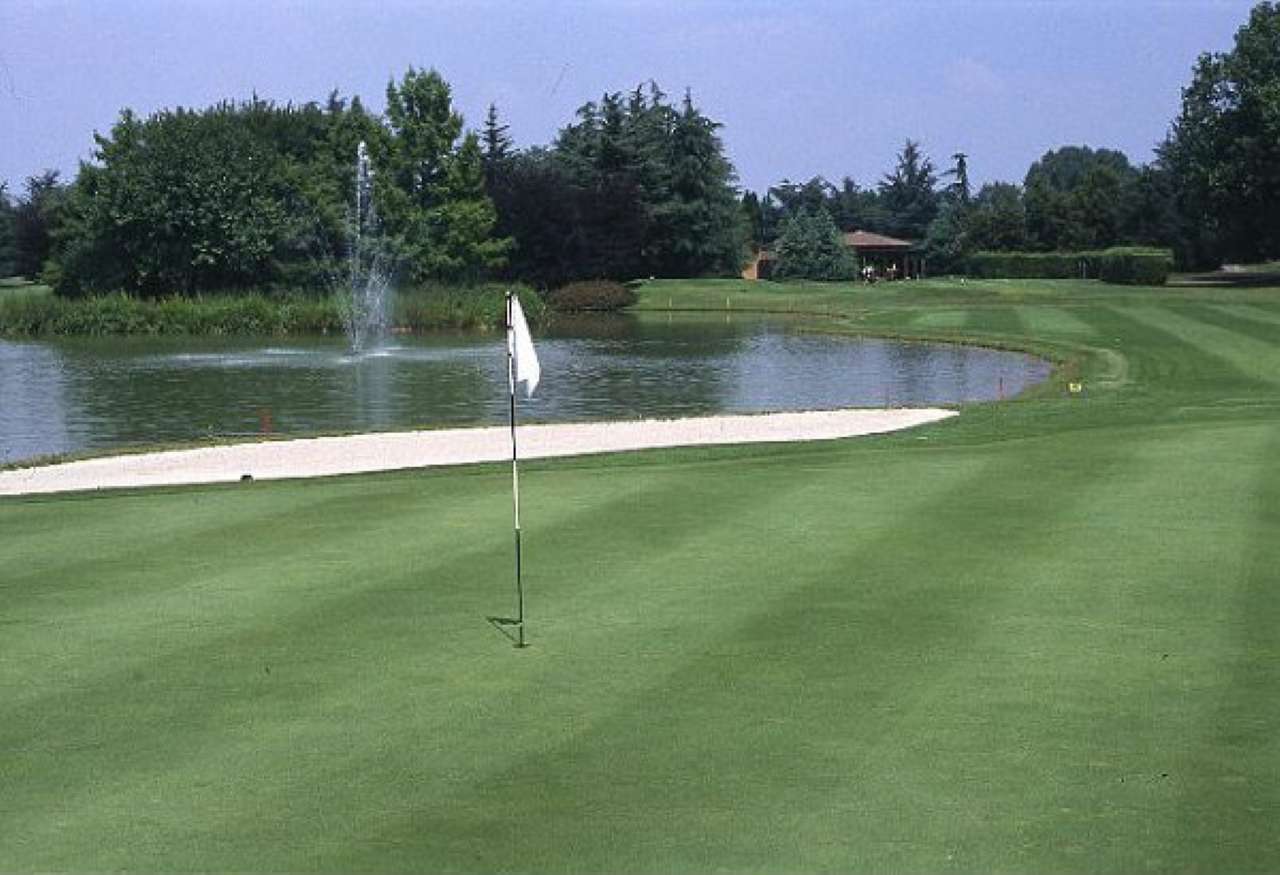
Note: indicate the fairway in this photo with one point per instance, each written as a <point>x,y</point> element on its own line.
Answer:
<point>1040,636</point>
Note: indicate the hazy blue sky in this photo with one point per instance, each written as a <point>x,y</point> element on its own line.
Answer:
<point>802,88</point>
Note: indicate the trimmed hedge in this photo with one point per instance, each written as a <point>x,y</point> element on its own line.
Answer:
<point>1130,265</point>
<point>591,295</point>
<point>1030,265</point>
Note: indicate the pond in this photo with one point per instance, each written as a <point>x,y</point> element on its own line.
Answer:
<point>92,394</point>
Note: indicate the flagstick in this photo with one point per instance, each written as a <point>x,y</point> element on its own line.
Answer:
<point>515,469</point>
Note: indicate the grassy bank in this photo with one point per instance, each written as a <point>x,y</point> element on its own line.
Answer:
<point>1039,637</point>
<point>30,311</point>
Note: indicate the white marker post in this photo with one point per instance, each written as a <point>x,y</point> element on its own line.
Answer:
<point>522,367</point>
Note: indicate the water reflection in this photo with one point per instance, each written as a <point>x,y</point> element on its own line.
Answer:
<point>89,394</point>
<point>32,406</point>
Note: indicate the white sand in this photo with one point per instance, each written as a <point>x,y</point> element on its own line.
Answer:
<point>320,457</point>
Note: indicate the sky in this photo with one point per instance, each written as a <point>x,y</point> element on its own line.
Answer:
<point>802,88</point>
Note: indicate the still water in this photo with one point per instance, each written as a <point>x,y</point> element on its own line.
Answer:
<point>72,396</point>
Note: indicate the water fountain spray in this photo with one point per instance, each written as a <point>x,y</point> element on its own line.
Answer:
<point>367,306</point>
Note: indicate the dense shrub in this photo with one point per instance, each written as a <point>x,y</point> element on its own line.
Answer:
<point>1121,264</point>
<point>1031,265</point>
<point>595,295</point>
<point>436,307</point>
<point>246,314</point>
<point>810,247</point>
<point>1135,266</point>
<point>419,309</point>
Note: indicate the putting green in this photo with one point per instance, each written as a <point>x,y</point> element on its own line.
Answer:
<point>1037,637</point>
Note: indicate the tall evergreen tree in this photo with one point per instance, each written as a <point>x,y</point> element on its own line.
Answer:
<point>812,195</point>
<point>497,144</point>
<point>908,194</point>
<point>753,219</point>
<point>705,229</point>
<point>958,190</point>
<point>655,193</point>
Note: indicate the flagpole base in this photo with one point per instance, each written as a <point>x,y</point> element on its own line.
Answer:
<point>502,624</point>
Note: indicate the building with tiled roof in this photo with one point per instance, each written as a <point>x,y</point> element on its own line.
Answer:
<point>887,257</point>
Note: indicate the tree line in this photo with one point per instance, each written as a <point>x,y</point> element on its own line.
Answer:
<point>254,195</point>
<point>1211,195</point>
<point>259,195</point>
<point>634,186</point>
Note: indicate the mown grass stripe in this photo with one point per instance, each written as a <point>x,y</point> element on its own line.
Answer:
<point>1233,319</point>
<point>1255,359</point>
<point>935,320</point>
<point>994,321</point>
<point>1159,358</point>
<point>1252,313</point>
<point>1225,794</point>
<point>238,653</point>
<point>607,768</point>
<point>1049,321</point>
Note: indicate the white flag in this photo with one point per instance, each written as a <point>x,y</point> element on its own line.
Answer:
<point>526,368</point>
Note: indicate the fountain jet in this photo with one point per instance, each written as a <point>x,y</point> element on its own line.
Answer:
<point>368,287</point>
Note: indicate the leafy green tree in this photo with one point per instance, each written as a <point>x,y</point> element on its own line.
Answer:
<point>855,208</point>
<point>810,246</point>
<point>1224,148</point>
<point>425,127</point>
<point>433,198</point>
<point>908,194</point>
<point>180,203</point>
<point>997,219</point>
<point>1151,210</point>
<point>1096,209</point>
<point>8,249</point>
<point>460,225</point>
<point>540,205</point>
<point>34,223</point>
<point>320,181</point>
<point>812,195</point>
<point>1076,198</point>
<point>945,241</point>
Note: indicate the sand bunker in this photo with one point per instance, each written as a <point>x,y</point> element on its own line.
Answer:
<point>326,456</point>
